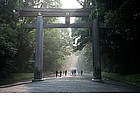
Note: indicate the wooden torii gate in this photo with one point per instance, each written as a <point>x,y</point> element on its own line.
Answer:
<point>67,13</point>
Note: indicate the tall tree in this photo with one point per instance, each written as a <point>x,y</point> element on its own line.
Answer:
<point>123,40</point>
<point>56,47</point>
<point>8,36</point>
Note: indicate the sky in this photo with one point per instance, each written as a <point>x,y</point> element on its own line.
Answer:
<point>70,4</point>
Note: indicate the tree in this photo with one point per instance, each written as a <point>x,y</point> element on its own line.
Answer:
<point>82,41</point>
<point>119,46</point>
<point>17,43</point>
<point>8,49</point>
<point>123,40</point>
<point>8,37</point>
<point>56,47</point>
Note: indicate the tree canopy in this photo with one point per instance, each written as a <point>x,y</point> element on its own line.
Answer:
<point>17,44</point>
<point>119,45</point>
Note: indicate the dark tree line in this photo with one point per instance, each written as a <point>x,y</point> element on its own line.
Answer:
<point>119,45</point>
<point>16,43</point>
<point>122,51</point>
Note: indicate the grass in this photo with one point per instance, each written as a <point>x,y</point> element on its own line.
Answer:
<point>133,79</point>
<point>16,77</point>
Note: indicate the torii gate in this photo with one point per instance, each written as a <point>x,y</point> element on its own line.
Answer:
<point>67,13</point>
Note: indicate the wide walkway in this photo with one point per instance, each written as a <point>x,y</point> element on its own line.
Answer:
<point>70,84</point>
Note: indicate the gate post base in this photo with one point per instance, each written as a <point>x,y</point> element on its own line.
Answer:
<point>37,80</point>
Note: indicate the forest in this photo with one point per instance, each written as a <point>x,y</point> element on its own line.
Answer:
<point>17,44</point>
<point>119,44</point>
<point>119,40</point>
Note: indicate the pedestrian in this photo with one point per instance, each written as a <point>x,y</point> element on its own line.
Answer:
<point>60,73</point>
<point>72,72</point>
<point>56,73</point>
<point>65,72</point>
<point>81,72</point>
<point>75,72</point>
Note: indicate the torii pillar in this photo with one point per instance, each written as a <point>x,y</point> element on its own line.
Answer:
<point>38,73</point>
<point>96,52</point>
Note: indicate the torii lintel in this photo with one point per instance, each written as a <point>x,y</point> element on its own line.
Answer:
<point>55,12</point>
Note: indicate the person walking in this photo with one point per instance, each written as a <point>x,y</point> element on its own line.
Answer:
<point>81,72</point>
<point>56,73</point>
<point>65,72</point>
<point>60,73</point>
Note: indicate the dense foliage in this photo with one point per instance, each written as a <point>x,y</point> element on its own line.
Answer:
<point>17,44</point>
<point>57,45</point>
<point>119,45</point>
<point>8,37</point>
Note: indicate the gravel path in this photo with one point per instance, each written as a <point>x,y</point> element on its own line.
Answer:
<point>70,84</point>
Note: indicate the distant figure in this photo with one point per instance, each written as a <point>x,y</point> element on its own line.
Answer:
<point>56,73</point>
<point>75,72</point>
<point>72,72</point>
<point>81,72</point>
<point>60,73</point>
<point>65,72</point>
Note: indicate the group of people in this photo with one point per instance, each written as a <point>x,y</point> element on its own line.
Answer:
<point>64,73</point>
<point>73,72</point>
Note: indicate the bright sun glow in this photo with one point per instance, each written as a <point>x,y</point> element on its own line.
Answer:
<point>69,4</point>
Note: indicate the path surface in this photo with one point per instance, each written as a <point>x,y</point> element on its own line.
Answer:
<point>70,84</point>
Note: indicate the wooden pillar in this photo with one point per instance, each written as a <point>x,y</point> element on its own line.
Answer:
<point>38,73</point>
<point>96,52</point>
